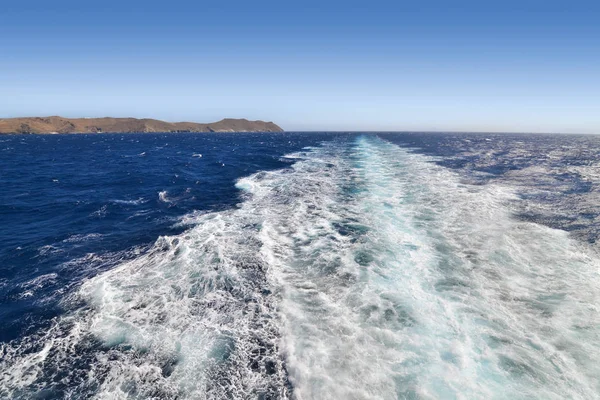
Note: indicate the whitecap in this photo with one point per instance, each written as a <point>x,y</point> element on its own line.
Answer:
<point>162,196</point>
<point>100,213</point>
<point>79,238</point>
<point>135,202</point>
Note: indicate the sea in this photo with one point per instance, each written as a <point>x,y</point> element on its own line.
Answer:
<point>300,266</point>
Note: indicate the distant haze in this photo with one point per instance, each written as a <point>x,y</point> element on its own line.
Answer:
<point>526,66</point>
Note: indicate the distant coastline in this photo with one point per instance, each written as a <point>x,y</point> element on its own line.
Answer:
<point>55,124</point>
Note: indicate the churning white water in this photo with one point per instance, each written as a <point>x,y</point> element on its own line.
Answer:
<point>364,271</point>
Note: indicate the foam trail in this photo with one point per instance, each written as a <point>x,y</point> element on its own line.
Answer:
<point>407,283</point>
<point>191,318</point>
<point>362,271</point>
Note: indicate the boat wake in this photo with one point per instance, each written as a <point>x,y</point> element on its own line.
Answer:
<point>362,271</point>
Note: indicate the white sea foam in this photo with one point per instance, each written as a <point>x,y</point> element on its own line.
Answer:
<point>162,196</point>
<point>48,249</point>
<point>363,271</point>
<point>100,213</point>
<point>135,202</point>
<point>80,238</point>
<point>40,281</point>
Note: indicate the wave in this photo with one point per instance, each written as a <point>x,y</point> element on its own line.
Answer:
<point>162,196</point>
<point>136,202</point>
<point>362,271</point>
<point>80,238</point>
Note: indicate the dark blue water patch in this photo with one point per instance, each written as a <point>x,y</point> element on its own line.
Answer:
<point>74,205</point>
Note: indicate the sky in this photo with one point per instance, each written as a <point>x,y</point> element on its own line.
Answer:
<point>524,66</point>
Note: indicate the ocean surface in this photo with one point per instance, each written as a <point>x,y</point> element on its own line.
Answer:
<point>300,266</point>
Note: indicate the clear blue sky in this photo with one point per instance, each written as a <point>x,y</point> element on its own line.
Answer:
<point>307,65</point>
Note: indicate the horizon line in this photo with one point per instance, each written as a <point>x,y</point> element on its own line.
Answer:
<point>320,130</point>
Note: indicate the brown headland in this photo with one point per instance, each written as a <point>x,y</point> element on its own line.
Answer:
<point>57,124</point>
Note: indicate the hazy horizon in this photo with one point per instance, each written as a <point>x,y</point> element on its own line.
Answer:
<point>510,67</point>
<point>331,130</point>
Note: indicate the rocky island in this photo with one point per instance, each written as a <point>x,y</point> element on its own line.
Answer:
<point>127,125</point>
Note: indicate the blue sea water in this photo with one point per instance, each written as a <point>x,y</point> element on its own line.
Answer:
<point>300,265</point>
